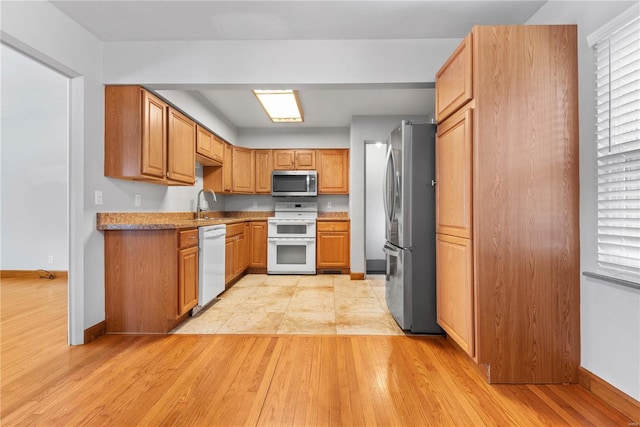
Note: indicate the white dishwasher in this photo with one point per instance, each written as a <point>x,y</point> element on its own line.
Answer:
<point>211,267</point>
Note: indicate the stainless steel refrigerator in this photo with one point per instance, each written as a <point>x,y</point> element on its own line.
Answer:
<point>410,247</point>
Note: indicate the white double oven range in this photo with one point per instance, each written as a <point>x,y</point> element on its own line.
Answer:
<point>292,238</point>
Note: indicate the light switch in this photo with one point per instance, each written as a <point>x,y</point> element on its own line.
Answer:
<point>329,204</point>
<point>98,197</point>
<point>255,205</point>
<point>138,200</point>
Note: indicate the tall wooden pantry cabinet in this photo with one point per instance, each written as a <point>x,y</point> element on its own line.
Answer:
<point>507,204</point>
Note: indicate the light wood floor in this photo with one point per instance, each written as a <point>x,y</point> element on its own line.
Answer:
<point>254,380</point>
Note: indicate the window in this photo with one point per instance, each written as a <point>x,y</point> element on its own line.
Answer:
<point>617,56</point>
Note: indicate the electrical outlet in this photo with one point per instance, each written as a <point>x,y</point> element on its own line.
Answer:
<point>98,197</point>
<point>138,200</point>
<point>329,204</point>
<point>255,205</point>
<point>50,261</point>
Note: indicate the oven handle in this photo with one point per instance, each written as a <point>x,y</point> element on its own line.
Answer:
<point>292,221</point>
<point>291,239</point>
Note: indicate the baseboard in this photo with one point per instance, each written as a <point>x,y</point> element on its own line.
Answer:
<point>31,274</point>
<point>332,271</point>
<point>619,400</point>
<point>357,276</point>
<point>94,332</point>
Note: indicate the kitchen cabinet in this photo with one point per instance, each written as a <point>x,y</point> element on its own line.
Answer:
<point>264,167</point>
<point>507,202</point>
<point>453,177</point>
<point>247,245</point>
<point>181,157</point>
<point>187,271</point>
<point>219,178</point>
<point>294,159</point>
<point>455,289</point>
<point>145,139</point>
<point>333,246</point>
<point>151,279</point>
<point>209,148</point>
<point>455,84</point>
<point>258,245</point>
<point>234,252</point>
<point>243,170</point>
<point>333,171</point>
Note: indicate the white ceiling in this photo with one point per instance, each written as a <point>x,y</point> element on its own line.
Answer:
<point>299,20</point>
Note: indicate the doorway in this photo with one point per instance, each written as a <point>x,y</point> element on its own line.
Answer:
<point>34,166</point>
<point>375,156</point>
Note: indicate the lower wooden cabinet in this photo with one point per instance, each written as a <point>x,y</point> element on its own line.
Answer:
<point>151,279</point>
<point>333,246</point>
<point>454,289</point>
<point>235,255</point>
<point>187,279</point>
<point>258,245</point>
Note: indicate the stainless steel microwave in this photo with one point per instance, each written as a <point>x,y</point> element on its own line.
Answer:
<point>294,183</point>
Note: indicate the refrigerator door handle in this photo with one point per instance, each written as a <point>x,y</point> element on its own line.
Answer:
<point>385,199</point>
<point>390,251</point>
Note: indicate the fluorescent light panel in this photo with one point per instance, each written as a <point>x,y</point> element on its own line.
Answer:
<point>282,106</point>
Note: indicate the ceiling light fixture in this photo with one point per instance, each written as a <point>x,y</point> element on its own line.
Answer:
<point>282,106</point>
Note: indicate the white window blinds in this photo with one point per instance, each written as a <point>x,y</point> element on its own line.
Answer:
<point>618,145</point>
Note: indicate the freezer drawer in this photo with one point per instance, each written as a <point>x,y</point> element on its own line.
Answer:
<point>397,276</point>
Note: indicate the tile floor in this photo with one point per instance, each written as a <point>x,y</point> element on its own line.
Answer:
<point>322,304</point>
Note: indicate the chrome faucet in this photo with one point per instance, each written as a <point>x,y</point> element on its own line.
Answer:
<point>198,208</point>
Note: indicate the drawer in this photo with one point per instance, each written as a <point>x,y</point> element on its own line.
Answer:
<point>235,229</point>
<point>187,238</point>
<point>332,226</point>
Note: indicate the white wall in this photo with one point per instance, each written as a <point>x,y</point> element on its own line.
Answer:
<point>375,159</point>
<point>610,314</point>
<point>276,61</point>
<point>365,128</point>
<point>34,122</point>
<point>294,138</point>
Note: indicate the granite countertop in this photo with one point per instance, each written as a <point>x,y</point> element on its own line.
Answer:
<point>177,220</point>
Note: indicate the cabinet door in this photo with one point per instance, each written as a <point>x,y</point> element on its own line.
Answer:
<point>244,170</point>
<point>247,245</point>
<point>283,159</point>
<point>205,147</point>
<point>305,159</point>
<point>258,245</point>
<point>454,81</point>
<point>154,135</point>
<point>333,171</point>
<point>218,149</point>
<point>227,168</point>
<point>453,175</point>
<point>187,279</point>
<point>228,259</point>
<point>454,290</point>
<point>238,255</point>
<point>333,246</point>
<point>264,166</point>
<point>181,160</point>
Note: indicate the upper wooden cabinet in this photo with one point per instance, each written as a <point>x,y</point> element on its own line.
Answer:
<point>333,171</point>
<point>181,151</point>
<point>454,83</point>
<point>209,148</point>
<point>517,238</point>
<point>243,170</point>
<point>144,140</point>
<point>294,159</point>
<point>264,167</point>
